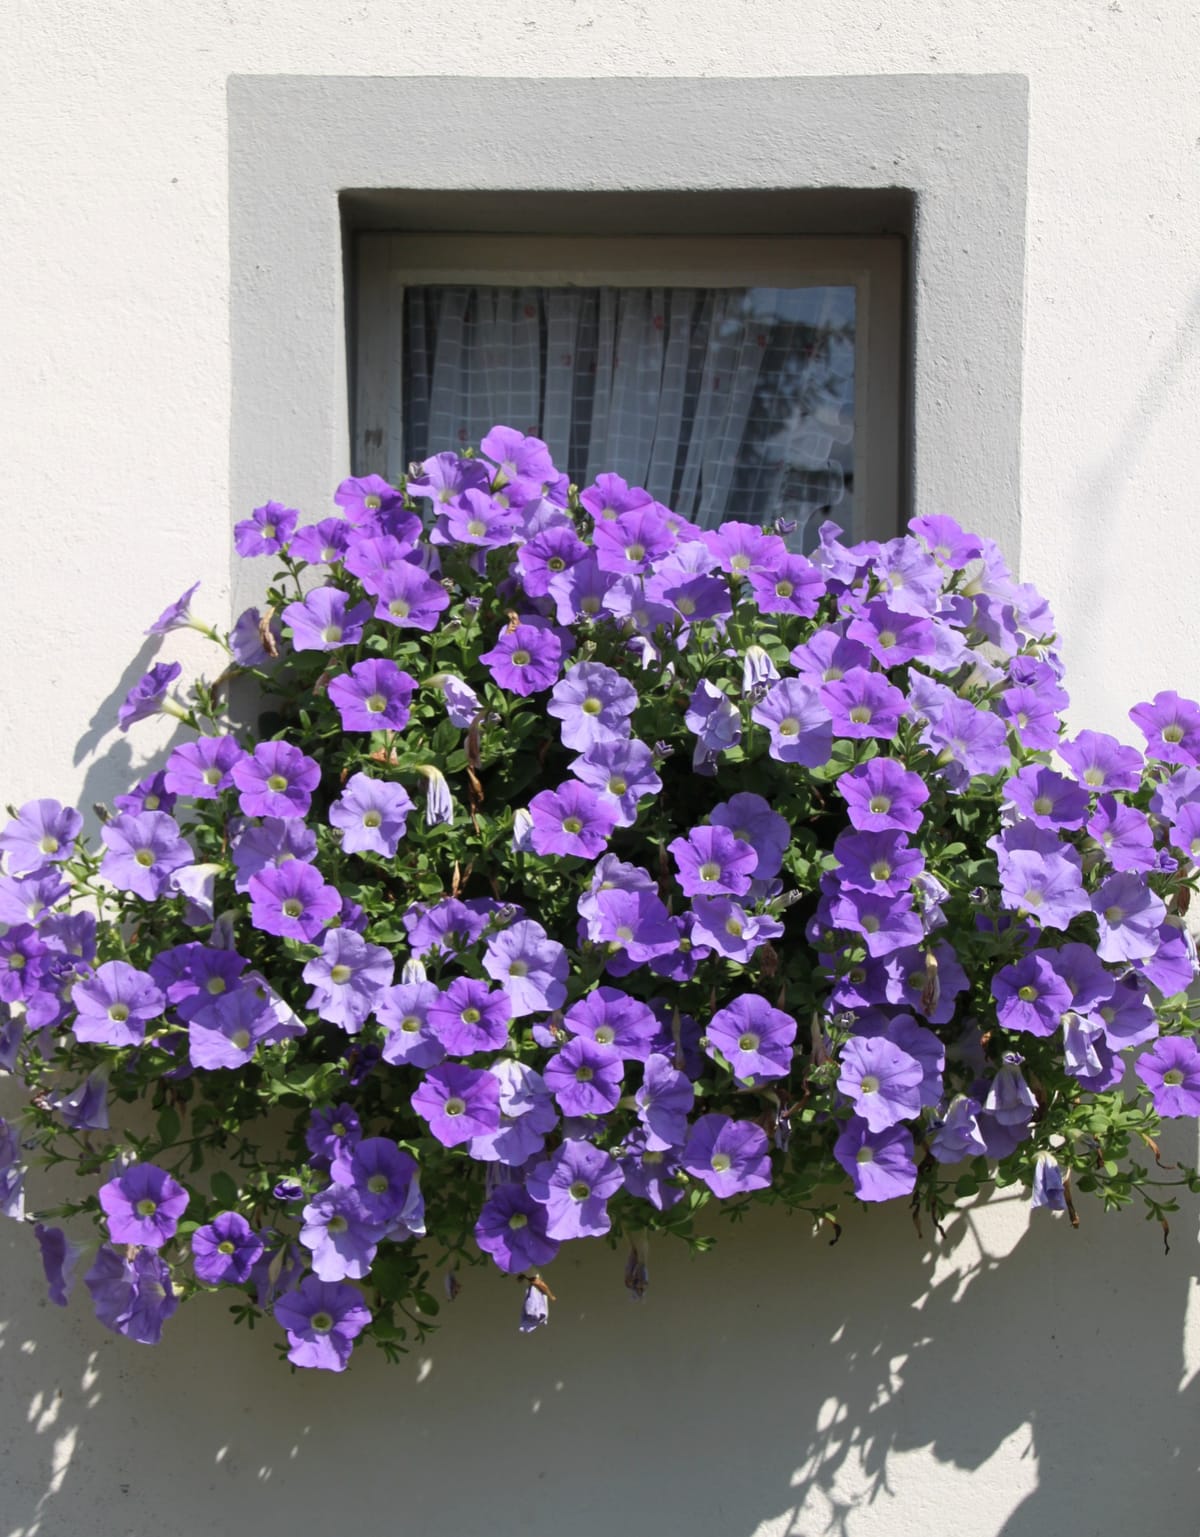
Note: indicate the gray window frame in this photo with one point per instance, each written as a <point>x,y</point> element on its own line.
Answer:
<point>939,157</point>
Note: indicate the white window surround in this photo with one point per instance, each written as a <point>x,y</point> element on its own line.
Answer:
<point>768,156</point>
<point>386,264</point>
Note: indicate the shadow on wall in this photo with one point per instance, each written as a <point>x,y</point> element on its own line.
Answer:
<point>1008,1380</point>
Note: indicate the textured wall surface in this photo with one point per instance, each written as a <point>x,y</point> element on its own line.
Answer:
<point>891,1385</point>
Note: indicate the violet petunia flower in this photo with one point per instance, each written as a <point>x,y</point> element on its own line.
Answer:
<point>594,704</point>
<point>863,704</point>
<point>612,1018</point>
<point>42,832</point>
<point>725,926</point>
<point>1171,726</point>
<point>652,1171</point>
<point>880,1163</point>
<point>59,1258</point>
<point>149,794</point>
<point>178,616</point>
<point>729,1156</point>
<point>1049,885</point>
<point>323,543</point>
<point>527,656</point>
<point>269,845</point>
<point>571,820</point>
<point>622,771</point>
<point>225,1250</point>
<point>1030,994</point>
<point>711,861</point>
<point>372,815</point>
<point>277,780</point>
<point>574,1185</point>
<point>292,901</point>
<point>882,863</point>
<point>715,722</point>
<point>1046,798</point>
<point>1171,1071</point>
<point>1101,762</point>
<point>202,769</point>
<point>115,1004</point>
<point>322,1320</point>
<point>132,1293</point>
<point>792,585</point>
<point>750,818</point>
<point>469,1017</point>
<point>585,1077</point>
<point>143,1206</point>
<point>374,696</point>
<point>799,724</point>
<point>527,1114</point>
<point>148,696</point>
<point>458,1102</point>
<point>340,1234</point>
<point>512,1230</point>
<point>408,597</point>
<point>362,497</point>
<point>142,852</point>
<point>324,620</point>
<point>664,1102</point>
<point>754,1038</point>
<point>1129,914</point>
<point>332,1134</point>
<point>531,967</point>
<point>347,977</point>
<point>385,1179</point>
<point>881,1081</point>
<point>266,531</point>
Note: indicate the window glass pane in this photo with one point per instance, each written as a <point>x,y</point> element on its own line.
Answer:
<point>722,402</point>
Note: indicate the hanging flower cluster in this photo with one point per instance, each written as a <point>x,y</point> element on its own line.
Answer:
<point>584,868</point>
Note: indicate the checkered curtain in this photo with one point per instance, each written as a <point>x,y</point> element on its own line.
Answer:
<point>721,402</point>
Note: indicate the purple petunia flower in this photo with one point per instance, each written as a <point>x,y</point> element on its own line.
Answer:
<point>527,1113</point>
<point>863,704</point>
<point>571,820</point>
<point>585,1077</point>
<point>633,541</point>
<point>1129,914</point>
<point>385,1179</point>
<point>711,862</point>
<point>42,832</point>
<point>149,794</point>
<point>1031,715</point>
<point>142,851</point>
<point>178,616</point>
<point>225,1250</point>
<point>827,656</point>
<point>324,620</point>
<point>1125,834</point>
<point>750,818</point>
<point>340,1234</point>
<point>723,925</point>
<point>530,967</point>
<point>361,497</point>
<point>729,1156</point>
<point>574,1185</point>
<point>621,771</point>
<point>115,1004</point>
<point>59,1258</point>
<point>957,1134</point>
<point>86,1107</point>
<point>967,741</point>
<point>266,531</point>
<point>881,863</point>
<point>881,1081</point>
<point>714,720</point>
<point>664,1102</point>
<point>458,1102</point>
<point>202,769</point>
<point>132,1294</point>
<point>527,657</point>
<point>1171,1071</point>
<point>373,696</point>
<point>887,923</point>
<point>1171,726</point>
<point>1030,995</point>
<point>792,585</point>
<point>1009,1098</point>
<point>469,1017</point>
<point>143,1205</point>
<point>148,696</point>
<point>1047,884</point>
<point>512,1230</point>
<point>890,636</point>
<point>347,977</point>
<point>1046,798</point>
<point>594,704</point>
<point>372,815</point>
<point>613,1019</point>
<point>1048,1191</point>
<point>408,597</point>
<point>1101,762</point>
<point>652,1171</point>
<point>546,555</point>
<point>292,901</point>
<point>799,724</point>
<point>269,845</point>
<point>444,477</point>
<point>331,1134</point>
<point>880,1163</point>
<point>322,1320</point>
<point>276,781</point>
<point>323,543</point>
<point>754,1038</point>
<point>227,1032</point>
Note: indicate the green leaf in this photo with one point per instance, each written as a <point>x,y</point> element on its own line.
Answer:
<point>168,1125</point>
<point>223,1188</point>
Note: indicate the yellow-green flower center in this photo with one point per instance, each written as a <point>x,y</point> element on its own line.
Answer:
<point>340,973</point>
<point>277,783</point>
<point>579,1190</point>
<point>376,703</point>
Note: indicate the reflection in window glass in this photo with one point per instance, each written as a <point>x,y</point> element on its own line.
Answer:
<point>722,403</point>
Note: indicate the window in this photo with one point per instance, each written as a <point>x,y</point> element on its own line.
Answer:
<point>755,378</point>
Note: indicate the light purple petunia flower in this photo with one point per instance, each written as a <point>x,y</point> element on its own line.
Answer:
<point>594,704</point>
<point>881,863</point>
<point>143,1205</point>
<point>750,818</point>
<point>740,548</point>
<point>59,1258</point>
<point>347,977</point>
<point>362,496</point>
<point>178,615</point>
<point>1031,715</point>
<point>725,926</point>
<point>408,597</point>
<point>957,1133</point>
<point>458,1102</point>
<point>462,702</point>
<point>132,1294</point>
<point>1171,726</point>
<point>322,1320</point>
<point>754,1038</point>
<point>527,1114</point>
<point>332,1134</point>
<point>265,531</point>
<point>574,1185</point>
<point>633,541</point>
<point>1046,798</point>
<point>664,1102</point>
<point>149,794</point>
<point>373,696</point>
<point>12,1174</point>
<point>1171,1071</point>
<point>227,1032</point>
<point>527,656</point>
<point>1009,1097</point>
<point>610,496</point>
<point>340,1234</point>
<point>715,722</point>
<point>519,459</point>
<point>1129,914</point>
<point>967,741</point>
<point>142,851</point>
<point>652,1171</point>
<point>571,820</point>
<point>202,769</point>
<point>613,1019</point>
<point>1125,834</point>
<point>1126,1016</point>
<point>892,637</point>
<point>622,771</point>
<point>1049,885</point>
<point>800,726</point>
<point>863,704</point>
<point>447,927</point>
<point>148,696</point>
<point>881,1080</point>
<point>277,780</point>
<point>529,966</point>
<point>585,1077</point>
<point>225,1250</point>
<point>385,1179</point>
<point>444,477</point>
<point>712,862</point>
<point>323,543</point>
<point>469,1017</point>
<point>546,555</point>
<point>1030,994</point>
<point>85,1108</point>
<point>880,1163</point>
<point>512,1230</point>
<point>269,845</point>
<point>477,519</point>
<point>792,585</point>
<point>115,1004</point>
<point>372,815</point>
<point>42,832</point>
<point>1101,762</point>
<point>292,901</point>
<point>729,1156</point>
<point>324,620</point>
<point>887,923</point>
<point>827,656</point>
<point>1048,1191</point>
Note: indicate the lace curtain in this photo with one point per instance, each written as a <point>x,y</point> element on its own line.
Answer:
<point>721,402</point>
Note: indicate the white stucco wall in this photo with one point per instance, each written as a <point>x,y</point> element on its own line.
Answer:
<point>890,1385</point>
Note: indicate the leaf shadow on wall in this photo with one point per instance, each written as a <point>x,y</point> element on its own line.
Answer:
<point>1008,1379</point>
